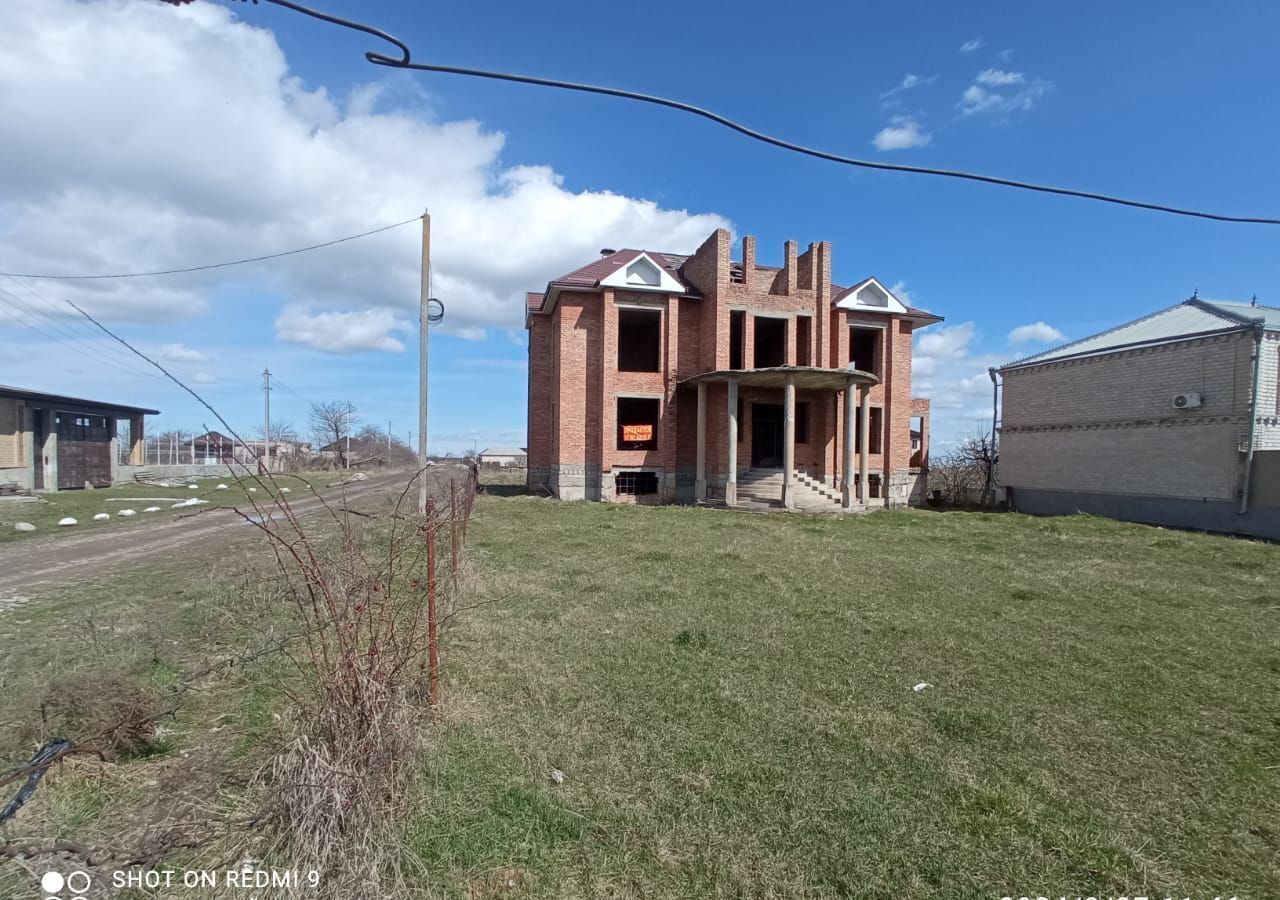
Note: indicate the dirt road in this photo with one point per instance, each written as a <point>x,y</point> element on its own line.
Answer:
<point>32,567</point>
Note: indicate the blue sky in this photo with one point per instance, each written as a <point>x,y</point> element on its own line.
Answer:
<point>251,129</point>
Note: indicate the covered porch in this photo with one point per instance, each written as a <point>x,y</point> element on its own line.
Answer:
<point>790,486</point>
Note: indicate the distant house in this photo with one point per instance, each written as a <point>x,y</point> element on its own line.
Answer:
<point>1171,419</point>
<point>49,442</point>
<point>504,456</point>
<point>213,447</point>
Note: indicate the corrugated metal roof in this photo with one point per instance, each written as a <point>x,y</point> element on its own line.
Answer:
<point>1269,315</point>
<point>1184,320</point>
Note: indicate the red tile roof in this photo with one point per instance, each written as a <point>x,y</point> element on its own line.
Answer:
<point>592,273</point>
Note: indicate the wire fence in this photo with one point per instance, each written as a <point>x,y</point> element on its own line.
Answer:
<point>179,448</point>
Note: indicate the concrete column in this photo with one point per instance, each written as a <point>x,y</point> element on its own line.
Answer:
<point>700,476</point>
<point>864,444</point>
<point>115,448</point>
<point>846,464</point>
<point>788,441</point>
<point>731,484</point>
<point>49,451</point>
<point>137,439</point>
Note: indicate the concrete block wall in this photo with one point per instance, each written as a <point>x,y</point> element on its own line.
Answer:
<point>1106,424</point>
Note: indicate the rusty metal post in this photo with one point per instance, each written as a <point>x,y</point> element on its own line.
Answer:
<point>433,647</point>
<point>453,532</point>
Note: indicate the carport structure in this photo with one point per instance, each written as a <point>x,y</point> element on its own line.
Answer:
<point>854,385</point>
<point>50,442</point>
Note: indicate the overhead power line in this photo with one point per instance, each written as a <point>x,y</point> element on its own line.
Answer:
<point>41,323</point>
<point>405,62</point>
<point>219,265</point>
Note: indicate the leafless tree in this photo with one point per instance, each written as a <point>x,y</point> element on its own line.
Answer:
<point>333,421</point>
<point>283,432</point>
<point>966,475</point>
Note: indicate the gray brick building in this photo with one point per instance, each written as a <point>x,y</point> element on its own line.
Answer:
<point>1172,419</point>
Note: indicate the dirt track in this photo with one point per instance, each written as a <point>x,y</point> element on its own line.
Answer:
<point>31,567</point>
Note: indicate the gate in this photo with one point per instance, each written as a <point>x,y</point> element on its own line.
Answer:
<point>84,450</point>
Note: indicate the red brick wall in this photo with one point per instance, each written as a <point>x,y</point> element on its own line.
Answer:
<point>574,351</point>
<point>541,380</point>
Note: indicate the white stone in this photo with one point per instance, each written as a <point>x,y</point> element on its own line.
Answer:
<point>557,776</point>
<point>920,688</point>
<point>126,513</point>
<point>221,487</point>
<point>284,490</point>
<point>152,509</point>
<point>101,517</point>
<point>194,487</point>
<point>23,526</point>
<point>253,490</point>
<point>67,521</point>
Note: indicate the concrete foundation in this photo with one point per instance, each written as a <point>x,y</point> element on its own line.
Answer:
<point>1219,516</point>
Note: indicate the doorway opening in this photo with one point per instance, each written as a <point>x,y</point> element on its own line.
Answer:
<point>766,435</point>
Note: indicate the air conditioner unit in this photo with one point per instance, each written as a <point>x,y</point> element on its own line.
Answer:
<point>1187,401</point>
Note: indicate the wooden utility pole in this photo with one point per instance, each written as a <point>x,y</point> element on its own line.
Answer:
<point>423,324</point>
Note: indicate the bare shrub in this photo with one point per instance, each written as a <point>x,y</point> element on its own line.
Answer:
<point>965,476</point>
<point>370,611</point>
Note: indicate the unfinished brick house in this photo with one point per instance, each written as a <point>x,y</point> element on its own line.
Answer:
<point>667,378</point>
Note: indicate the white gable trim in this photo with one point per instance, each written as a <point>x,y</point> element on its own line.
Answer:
<point>622,278</point>
<point>853,299</point>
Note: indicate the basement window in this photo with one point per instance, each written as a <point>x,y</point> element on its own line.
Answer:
<point>638,423</point>
<point>639,340</point>
<point>770,342</point>
<point>804,338</point>
<point>636,484</point>
<point>864,349</point>
<point>737,331</point>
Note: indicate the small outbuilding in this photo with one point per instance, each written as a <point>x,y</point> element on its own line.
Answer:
<point>504,456</point>
<point>49,442</point>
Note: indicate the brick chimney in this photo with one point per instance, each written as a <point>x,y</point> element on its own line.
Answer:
<point>748,259</point>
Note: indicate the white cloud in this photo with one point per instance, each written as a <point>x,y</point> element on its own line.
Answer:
<point>899,290</point>
<point>342,332</point>
<point>178,353</point>
<point>1035,333</point>
<point>970,46</point>
<point>999,77</point>
<point>204,147</point>
<point>946,342</point>
<point>907,83</point>
<point>946,369</point>
<point>203,377</point>
<point>977,99</point>
<point>903,133</point>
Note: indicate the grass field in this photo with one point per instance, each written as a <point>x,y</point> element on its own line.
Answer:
<point>730,700</point>
<point>48,509</point>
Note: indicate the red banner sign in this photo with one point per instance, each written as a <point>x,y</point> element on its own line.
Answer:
<point>637,432</point>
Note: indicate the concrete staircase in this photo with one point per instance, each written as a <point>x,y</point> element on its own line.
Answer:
<point>762,489</point>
